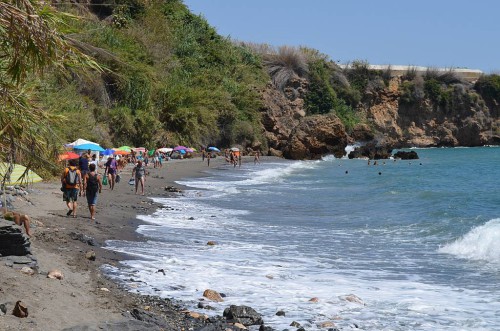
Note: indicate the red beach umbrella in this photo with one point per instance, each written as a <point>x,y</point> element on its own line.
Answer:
<point>68,156</point>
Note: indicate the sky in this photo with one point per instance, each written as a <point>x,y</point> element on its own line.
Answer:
<point>437,33</point>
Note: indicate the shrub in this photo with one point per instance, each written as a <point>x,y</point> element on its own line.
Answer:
<point>375,85</point>
<point>321,98</point>
<point>358,74</point>
<point>446,77</point>
<point>410,74</point>
<point>432,89</point>
<point>347,115</point>
<point>285,64</point>
<point>488,86</point>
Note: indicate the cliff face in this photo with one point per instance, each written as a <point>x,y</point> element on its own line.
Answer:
<point>292,134</point>
<point>388,122</point>
<point>426,124</point>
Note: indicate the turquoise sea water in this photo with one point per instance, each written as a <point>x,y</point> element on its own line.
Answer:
<point>418,242</point>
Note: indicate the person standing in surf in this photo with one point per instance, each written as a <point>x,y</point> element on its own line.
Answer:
<point>139,172</point>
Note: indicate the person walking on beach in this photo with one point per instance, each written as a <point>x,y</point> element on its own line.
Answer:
<point>139,172</point>
<point>83,164</point>
<point>71,181</point>
<point>110,171</point>
<point>209,156</point>
<point>92,185</point>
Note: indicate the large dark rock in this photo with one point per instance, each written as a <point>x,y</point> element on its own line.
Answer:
<point>12,240</point>
<point>412,155</point>
<point>242,314</point>
<point>371,151</point>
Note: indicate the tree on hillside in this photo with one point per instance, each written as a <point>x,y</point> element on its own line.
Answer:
<point>29,45</point>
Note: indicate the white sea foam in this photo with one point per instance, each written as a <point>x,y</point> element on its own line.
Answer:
<point>481,243</point>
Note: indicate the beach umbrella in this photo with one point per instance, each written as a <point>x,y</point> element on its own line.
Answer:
<point>165,149</point>
<point>213,149</point>
<point>139,149</point>
<point>19,175</point>
<point>182,151</point>
<point>124,148</point>
<point>108,152</point>
<point>189,150</point>
<point>120,152</point>
<point>92,147</point>
<point>68,156</point>
<point>80,142</point>
<point>180,148</point>
<point>235,149</point>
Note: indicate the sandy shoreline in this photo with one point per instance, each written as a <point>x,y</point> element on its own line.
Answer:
<point>85,299</point>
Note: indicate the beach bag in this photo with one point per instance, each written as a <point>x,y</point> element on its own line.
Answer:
<point>131,181</point>
<point>71,177</point>
<point>105,180</point>
<point>118,178</point>
<point>92,184</point>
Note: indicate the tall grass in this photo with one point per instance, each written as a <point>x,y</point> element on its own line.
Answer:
<point>446,77</point>
<point>285,64</point>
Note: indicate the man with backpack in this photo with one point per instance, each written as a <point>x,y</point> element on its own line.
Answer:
<point>92,185</point>
<point>71,181</point>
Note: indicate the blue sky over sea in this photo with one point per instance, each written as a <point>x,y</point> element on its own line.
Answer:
<point>445,33</point>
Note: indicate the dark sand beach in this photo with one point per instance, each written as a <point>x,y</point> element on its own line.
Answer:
<point>84,299</point>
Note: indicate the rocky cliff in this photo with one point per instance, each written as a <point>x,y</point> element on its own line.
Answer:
<point>292,134</point>
<point>388,121</point>
<point>468,122</point>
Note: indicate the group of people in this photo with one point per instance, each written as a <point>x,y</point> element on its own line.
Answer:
<point>81,178</point>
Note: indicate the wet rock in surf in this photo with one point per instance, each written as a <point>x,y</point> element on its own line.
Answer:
<point>242,314</point>
<point>352,298</point>
<point>411,155</point>
<point>212,295</point>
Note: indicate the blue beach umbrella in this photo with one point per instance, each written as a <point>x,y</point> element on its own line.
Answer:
<point>92,147</point>
<point>213,149</point>
<point>108,152</point>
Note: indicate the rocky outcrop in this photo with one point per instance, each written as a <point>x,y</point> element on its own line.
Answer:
<point>411,155</point>
<point>426,124</point>
<point>389,122</point>
<point>316,136</point>
<point>292,134</point>
<point>12,240</point>
<point>371,151</point>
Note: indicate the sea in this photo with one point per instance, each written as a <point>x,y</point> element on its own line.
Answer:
<point>400,245</point>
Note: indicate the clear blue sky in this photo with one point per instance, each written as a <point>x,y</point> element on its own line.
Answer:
<point>437,33</point>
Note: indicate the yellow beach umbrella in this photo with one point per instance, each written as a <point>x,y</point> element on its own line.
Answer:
<point>18,175</point>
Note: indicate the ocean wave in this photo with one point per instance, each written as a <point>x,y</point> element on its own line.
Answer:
<point>481,243</point>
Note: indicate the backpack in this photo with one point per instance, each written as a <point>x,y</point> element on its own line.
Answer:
<point>92,184</point>
<point>71,177</point>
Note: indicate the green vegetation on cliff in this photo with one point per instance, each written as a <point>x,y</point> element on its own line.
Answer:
<point>171,79</point>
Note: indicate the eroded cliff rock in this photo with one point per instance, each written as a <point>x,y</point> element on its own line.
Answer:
<point>292,134</point>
